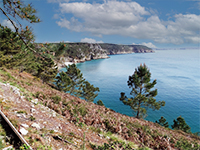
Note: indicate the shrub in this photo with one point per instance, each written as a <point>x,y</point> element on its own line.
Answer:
<point>56,99</point>
<point>99,102</point>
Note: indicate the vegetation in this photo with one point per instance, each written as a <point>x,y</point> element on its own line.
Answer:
<point>180,124</point>
<point>162,122</point>
<point>98,123</point>
<point>16,11</point>
<point>141,87</point>
<point>99,102</point>
<point>19,52</point>
<point>72,81</point>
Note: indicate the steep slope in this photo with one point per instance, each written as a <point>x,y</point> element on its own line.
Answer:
<point>58,120</point>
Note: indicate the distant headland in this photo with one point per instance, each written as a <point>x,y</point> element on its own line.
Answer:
<point>81,52</point>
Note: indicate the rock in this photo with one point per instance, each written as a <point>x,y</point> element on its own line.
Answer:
<point>100,135</point>
<point>35,125</point>
<point>32,110</point>
<point>23,131</point>
<point>8,148</point>
<point>22,97</point>
<point>19,115</point>
<point>34,101</point>
<point>54,114</point>
<point>24,125</point>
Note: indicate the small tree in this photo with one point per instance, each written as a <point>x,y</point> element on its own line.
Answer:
<point>99,102</point>
<point>143,96</point>
<point>180,124</point>
<point>89,92</point>
<point>72,81</point>
<point>76,79</point>
<point>63,82</point>
<point>162,122</point>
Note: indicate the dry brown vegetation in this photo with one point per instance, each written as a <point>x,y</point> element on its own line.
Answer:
<point>63,119</point>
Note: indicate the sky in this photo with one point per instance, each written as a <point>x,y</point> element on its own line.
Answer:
<point>154,23</point>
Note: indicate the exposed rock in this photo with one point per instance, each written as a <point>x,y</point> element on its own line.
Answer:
<point>8,148</point>
<point>35,125</point>
<point>23,131</point>
<point>34,101</point>
<point>25,125</point>
<point>32,110</point>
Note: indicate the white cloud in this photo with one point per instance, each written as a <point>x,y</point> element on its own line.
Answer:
<point>149,44</point>
<point>56,41</point>
<point>90,40</point>
<point>101,18</point>
<point>57,1</point>
<point>56,16</point>
<point>128,19</point>
<point>8,24</point>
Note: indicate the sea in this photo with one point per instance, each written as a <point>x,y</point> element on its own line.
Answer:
<point>178,82</point>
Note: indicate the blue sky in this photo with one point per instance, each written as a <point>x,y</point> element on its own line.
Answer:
<point>155,23</point>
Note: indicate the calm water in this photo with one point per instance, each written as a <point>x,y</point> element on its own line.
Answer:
<point>178,82</point>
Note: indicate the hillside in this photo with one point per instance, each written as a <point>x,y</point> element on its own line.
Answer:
<point>81,52</point>
<point>57,120</point>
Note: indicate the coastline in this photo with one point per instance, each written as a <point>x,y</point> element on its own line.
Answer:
<point>68,61</point>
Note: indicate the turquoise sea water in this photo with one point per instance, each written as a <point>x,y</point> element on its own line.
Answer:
<point>178,82</point>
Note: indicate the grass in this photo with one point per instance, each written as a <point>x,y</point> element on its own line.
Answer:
<point>115,142</point>
<point>21,112</point>
<point>14,122</point>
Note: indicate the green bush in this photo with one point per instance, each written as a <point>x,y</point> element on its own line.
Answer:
<point>82,110</point>
<point>99,102</point>
<point>56,99</point>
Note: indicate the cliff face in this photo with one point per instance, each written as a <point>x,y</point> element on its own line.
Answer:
<point>113,49</point>
<point>81,52</point>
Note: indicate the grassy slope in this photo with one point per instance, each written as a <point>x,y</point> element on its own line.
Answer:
<point>73,117</point>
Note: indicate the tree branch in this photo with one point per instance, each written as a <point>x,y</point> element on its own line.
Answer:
<point>17,30</point>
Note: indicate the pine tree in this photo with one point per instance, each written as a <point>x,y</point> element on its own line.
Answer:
<point>99,102</point>
<point>143,96</point>
<point>63,82</point>
<point>180,124</point>
<point>47,69</point>
<point>89,92</point>
<point>76,79</point>
<point>162,122</point>
<point>16,11</point>
<point>72,81</point>
<point>9,46</point>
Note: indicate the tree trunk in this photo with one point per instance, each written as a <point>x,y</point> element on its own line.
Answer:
<point>138,112</point>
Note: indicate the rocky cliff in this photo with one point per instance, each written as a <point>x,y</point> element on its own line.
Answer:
<point>81,52</point>
<point>113,49</point>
